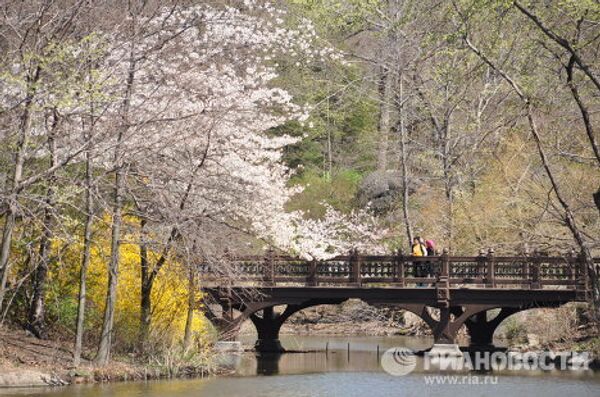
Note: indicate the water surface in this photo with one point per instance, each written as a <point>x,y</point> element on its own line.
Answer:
<point>339,373</point>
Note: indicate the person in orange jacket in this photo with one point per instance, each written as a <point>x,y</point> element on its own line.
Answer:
<point>419,249</point>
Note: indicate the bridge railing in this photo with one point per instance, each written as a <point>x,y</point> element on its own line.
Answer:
<point>483,271</point>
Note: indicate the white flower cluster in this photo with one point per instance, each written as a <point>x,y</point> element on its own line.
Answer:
<point>334,234</point>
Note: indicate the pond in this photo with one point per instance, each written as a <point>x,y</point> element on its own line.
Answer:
<point>332,369</point>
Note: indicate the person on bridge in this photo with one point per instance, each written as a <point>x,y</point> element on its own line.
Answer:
<point>430,246</point>
<point>419,249</point>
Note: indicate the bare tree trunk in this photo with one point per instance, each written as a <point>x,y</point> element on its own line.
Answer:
<point>385,98</point>
<point>441,140</point>
<point>85,262</point>
<point>103,355</point>
<point>11,215</point>
<point>37,313</point>
<point>449,191</point>
<point>146,288</point>
<point>187,337</point>
<point>329,154</point>
<point>329,143</point>
<point>404,167</point>
<point>37,316</point>
<point>585,115</point>
<point>9,225</point>
<point>87,243</point>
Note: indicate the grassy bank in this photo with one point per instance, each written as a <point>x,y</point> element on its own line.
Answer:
<point>28,361</point>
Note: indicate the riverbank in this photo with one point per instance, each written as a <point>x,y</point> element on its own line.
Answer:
<point>26,361</point>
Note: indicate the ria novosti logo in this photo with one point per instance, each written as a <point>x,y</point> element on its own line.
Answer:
<point>399,361</point>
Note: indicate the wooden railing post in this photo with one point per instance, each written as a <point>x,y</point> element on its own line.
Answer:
<point>584,277</point>
<point>395,262</point>
<point>400,267</point>
<point>442,285</point>
<point>526,268</point>
<point>312,273</point>
<point>535,270</point>
<point>269,267</point>
<point>481,268</point>
<point>355,267</point>
<point>572,268</point>
<point>490,280</point>
<point>445,271</point>
<point>227,258</point>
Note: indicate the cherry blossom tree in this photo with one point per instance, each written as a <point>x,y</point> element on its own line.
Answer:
<point>192,149</point>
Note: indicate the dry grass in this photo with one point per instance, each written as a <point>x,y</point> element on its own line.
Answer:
<point>19,350</point>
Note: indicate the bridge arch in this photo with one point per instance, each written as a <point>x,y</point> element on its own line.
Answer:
<point>481,327</point>
<point>265,319</point>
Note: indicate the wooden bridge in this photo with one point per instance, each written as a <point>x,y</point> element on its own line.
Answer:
<point>446,291</point>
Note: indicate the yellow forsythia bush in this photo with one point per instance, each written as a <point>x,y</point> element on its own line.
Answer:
<point>169,295</point>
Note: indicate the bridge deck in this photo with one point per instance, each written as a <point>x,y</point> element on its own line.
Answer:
<point>404,295</point>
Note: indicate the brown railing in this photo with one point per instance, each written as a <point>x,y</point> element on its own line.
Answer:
<point>483,271</point>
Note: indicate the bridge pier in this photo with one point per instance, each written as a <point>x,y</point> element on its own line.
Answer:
<point>267,328</point>
<point>445,330</point>
<point>481,330</point>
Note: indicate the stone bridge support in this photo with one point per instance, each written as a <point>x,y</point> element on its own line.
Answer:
<point>481,329</point>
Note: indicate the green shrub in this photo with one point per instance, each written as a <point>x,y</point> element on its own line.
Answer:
<point>514,331</point>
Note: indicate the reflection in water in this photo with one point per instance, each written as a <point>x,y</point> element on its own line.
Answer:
<point>268,364</point>
<point>319,354</point>
<point>311,362</point>
<point>334,373</point>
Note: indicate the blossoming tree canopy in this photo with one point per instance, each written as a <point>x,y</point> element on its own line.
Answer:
<point>202,103</point>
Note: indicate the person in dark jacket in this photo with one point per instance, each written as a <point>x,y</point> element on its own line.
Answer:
<point>430,246</point>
